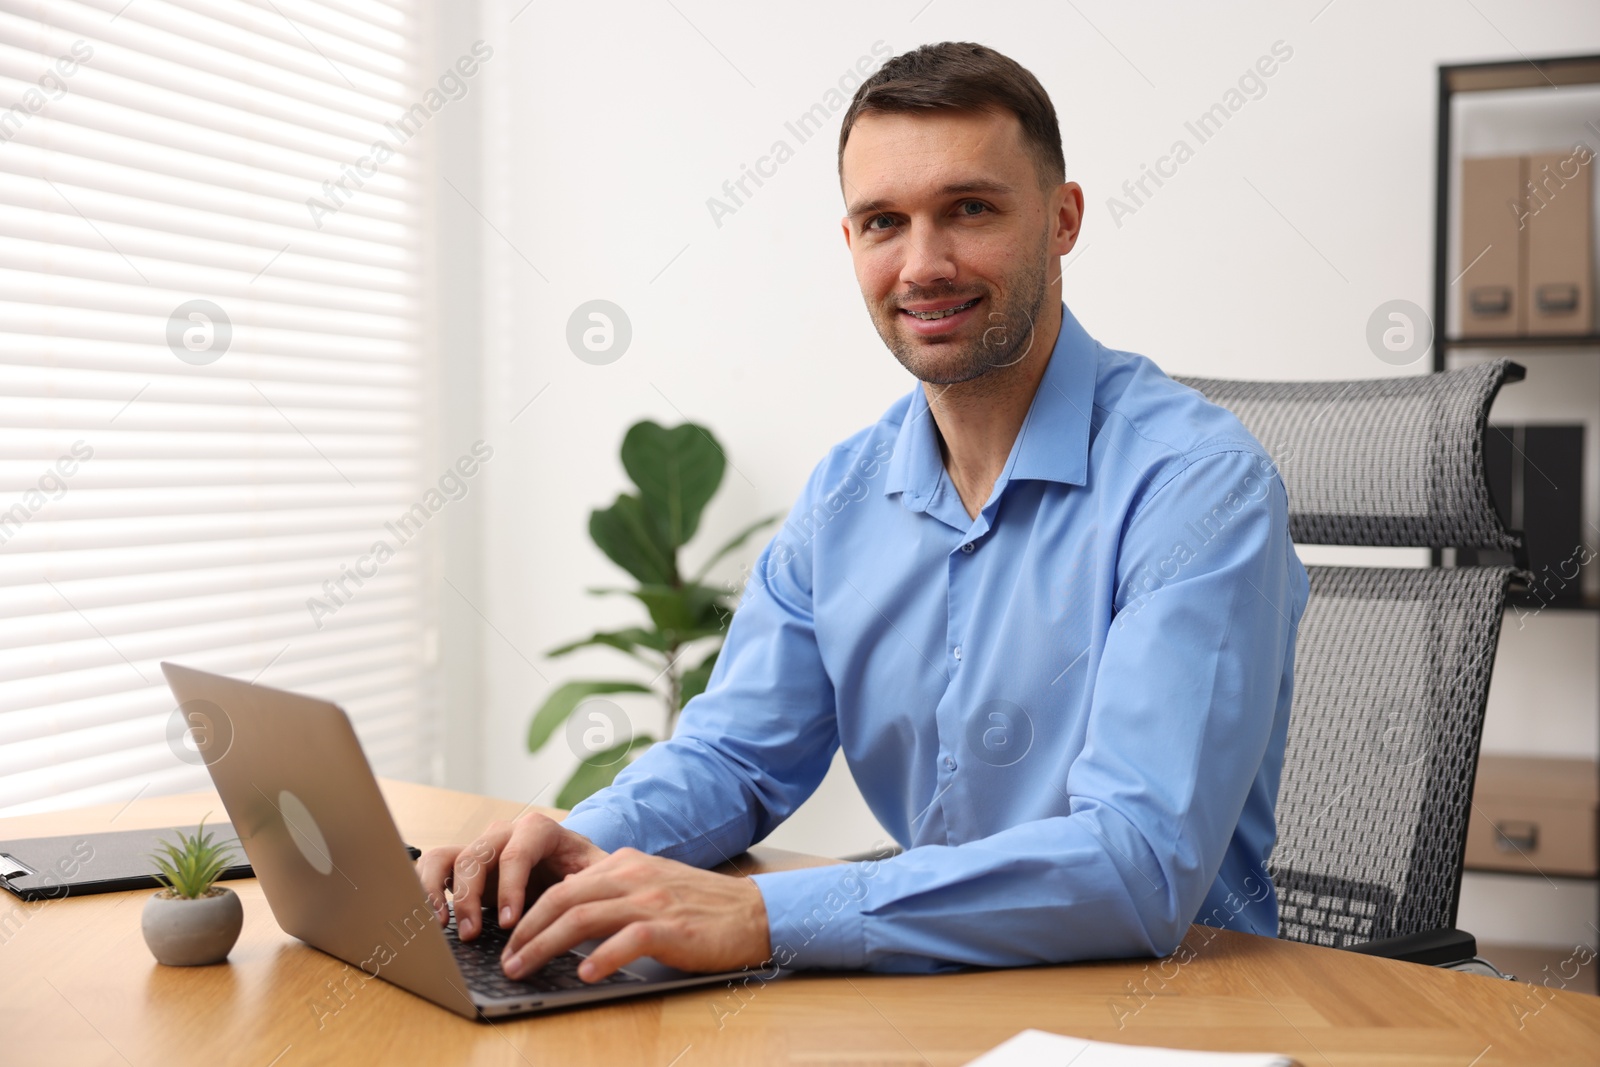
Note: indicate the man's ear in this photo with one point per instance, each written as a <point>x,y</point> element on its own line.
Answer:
<point>844,224</point>
<point>1066,208</point>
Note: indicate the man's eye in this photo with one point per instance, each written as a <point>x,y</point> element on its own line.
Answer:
<point>972,207</point>
<point>888,223</point>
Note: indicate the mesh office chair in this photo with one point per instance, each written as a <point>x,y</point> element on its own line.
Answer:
<point>1392,665</point>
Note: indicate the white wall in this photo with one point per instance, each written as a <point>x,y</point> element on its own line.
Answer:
<point>607,127</point>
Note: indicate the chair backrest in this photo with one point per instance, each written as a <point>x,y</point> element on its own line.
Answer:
<point>1392,664</point>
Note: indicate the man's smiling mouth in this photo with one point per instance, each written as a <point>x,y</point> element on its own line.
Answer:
<point>940,313</point>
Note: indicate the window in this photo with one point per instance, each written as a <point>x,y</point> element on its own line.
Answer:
<point>212,379</point>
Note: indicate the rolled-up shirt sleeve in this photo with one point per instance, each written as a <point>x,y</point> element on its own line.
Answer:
<point>1189,701</point>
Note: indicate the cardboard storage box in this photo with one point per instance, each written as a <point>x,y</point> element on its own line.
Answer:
<point>1491,281</point>
<point>1534,815</point>
<point>1557,293</point>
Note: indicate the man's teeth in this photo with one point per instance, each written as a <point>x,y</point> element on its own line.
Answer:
<point>929,316</point>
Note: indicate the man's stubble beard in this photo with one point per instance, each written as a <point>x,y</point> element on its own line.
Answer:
<point>1005,340</point>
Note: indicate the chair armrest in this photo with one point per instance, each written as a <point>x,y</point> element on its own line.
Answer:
<point>1435,948</point>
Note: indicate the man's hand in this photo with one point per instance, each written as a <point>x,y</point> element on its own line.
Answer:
<point>644,906</point>
<point>513,861</point>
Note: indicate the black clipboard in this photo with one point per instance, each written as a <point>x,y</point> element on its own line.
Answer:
<point>73,865</point>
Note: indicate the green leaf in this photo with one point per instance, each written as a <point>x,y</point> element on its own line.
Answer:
<point>629,640</point>
<point>676,607</point>
<point>712,629</point>
<point>740,538</point>
<point>560,704</point>
<point>599,770</point>
<point>709,610</point>
<point>677,472</point>
<point>634,541</point>
<point>695,680</point>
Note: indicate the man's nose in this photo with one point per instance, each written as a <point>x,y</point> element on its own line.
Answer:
<point>929,258</point>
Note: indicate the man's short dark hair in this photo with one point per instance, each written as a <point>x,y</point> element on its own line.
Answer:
<point>962,76</point>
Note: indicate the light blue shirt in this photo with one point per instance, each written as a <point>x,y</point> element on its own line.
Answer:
<point>1070,710</point>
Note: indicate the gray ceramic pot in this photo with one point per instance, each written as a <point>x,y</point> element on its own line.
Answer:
<point>187,933</point>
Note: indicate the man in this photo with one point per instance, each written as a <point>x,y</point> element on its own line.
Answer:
<point>1046,605</point>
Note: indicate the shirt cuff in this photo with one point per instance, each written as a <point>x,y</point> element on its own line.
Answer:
<point>600,825</point>
<point>814,916</point>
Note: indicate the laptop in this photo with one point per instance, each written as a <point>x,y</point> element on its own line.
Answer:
<point>331,863</point>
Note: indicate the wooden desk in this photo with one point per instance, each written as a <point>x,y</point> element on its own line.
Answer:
<point>78,987</point>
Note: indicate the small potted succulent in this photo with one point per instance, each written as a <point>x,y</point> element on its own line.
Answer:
<point>192,921</point>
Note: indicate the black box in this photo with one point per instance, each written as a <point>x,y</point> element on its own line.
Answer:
<point>1535,475</point>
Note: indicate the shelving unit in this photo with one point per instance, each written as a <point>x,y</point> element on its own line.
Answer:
<point>1476,78</point>
<point>1518,74</point>
<point>1587,340</point>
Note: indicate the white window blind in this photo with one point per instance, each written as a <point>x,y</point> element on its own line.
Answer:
<point>211,378</point>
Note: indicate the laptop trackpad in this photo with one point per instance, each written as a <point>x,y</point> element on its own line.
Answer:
<point>644,967</point>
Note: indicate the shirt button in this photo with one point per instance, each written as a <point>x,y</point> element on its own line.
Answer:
<point>949,763</point>
<point>967,548</point>
<point>958,652</point>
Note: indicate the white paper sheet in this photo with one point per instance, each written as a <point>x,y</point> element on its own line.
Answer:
<point>1036,1048</point>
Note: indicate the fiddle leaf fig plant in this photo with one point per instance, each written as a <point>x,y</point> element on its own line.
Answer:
<point>676,471</point>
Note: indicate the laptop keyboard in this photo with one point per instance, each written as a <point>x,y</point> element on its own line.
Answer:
<point>479,960</point>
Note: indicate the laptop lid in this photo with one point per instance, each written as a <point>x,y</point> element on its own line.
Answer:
<point>310,817</point>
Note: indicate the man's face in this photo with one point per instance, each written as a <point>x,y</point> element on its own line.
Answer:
<point>953,237</point>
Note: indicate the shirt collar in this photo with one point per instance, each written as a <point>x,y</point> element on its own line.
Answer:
<point>1052,445</point>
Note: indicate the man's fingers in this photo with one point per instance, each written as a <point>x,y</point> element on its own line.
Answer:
<point>471,871</point>
<point>595,918</point>
<point>434,868</point>
<point>641,938</point>
<point>593,883</point>
<point>530,841</point>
